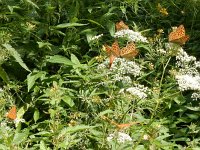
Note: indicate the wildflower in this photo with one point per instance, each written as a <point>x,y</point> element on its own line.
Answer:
<point>188,82</point>
<point>18,120</point>
<point>131,35</point>
<point>138,90</point>
<point>120,136</point>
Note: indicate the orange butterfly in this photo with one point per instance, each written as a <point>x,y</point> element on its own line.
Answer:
<point>121,25</point>
<point>12,114</point>
<point>127,52</point>
<point>178,36</point>
<point>119,126</point>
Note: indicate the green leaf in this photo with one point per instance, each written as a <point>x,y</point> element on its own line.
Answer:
<point>111,27</point>
<point>32,77</point>
<point>43,145</point>
<point>68,101</point>
<point>108,111</point>
<point>4,75</point>
<point>16,55</point>
<point>60,59</point>
<point>32,4</point>
<point>78,128</point>
<point>75,60</point>
<point>36,115</point>
<point>67,25</point>
<point>20,137</point>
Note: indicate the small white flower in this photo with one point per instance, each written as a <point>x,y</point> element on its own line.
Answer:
<point>96,37</point>
<point>131,35</point>
<point>146,137</point>
<point>195,95</point>
<point>161,51</point>
<point>120,136</point>
<point>18,120</point>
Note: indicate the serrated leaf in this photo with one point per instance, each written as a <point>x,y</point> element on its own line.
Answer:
<point>16,55</point>
<point>32,77</point>
<point>4,75</point>
<point>67,25</point>
<point>59,59</point>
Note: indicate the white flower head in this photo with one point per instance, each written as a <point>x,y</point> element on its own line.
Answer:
<point>131,35</point>
<point>125,67</point>
<point>188,82</point>
<point>120,136</point>
<point>183,59</point>
<point>138,90</point>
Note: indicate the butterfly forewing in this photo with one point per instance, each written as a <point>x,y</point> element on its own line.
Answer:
<point>115,49</point>
<point>129,51</point>
<point>12,114</point>
<point>178,36</point>
<point>121,25</point>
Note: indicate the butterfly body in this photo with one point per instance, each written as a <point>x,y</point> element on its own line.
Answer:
<point>12,114</point>
<point>178,36</point>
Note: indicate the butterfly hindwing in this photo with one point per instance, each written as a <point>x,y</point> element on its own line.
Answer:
<point>129,51</point>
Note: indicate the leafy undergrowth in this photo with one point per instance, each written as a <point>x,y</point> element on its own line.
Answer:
<point>139,93</point>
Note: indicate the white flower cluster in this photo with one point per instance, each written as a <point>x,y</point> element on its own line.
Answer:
<point>124,67</point>
<point>183,59</point>
<point>188,82</point>
<point>188,77</point>
<point>120,136</point>
<point>131,35</point>
<point>139,90</point>
<point>121,70</point>
<point>96,37</point>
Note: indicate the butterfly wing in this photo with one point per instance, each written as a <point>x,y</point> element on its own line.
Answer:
<point>129,51</point>
<point>121,25</point>
<point>12,114</point>
<point>108,49</point>
<point>182,40</point>
<point>178,36</point>
<point>115,49</point>
<point>112,58</point>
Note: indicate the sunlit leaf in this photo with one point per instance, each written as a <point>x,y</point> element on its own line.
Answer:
<point>67,25</point>
<point>16,55</point>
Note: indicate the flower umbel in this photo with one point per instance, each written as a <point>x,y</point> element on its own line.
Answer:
<point>120,136</point>
<point>131,35</point>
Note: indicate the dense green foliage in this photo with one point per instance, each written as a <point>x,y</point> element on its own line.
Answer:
<point>49,69</point>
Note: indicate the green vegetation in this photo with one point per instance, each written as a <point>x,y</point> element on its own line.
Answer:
<point>54,67</point>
